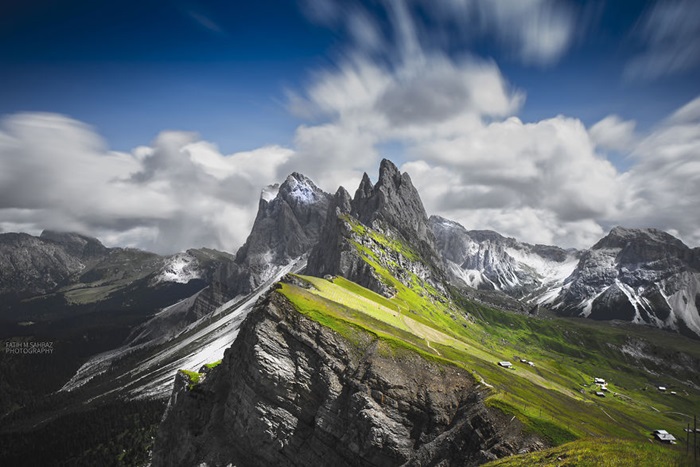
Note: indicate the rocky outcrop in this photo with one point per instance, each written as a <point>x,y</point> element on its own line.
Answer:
<point>288,223</point>
<point>393,211</point>
<point>291,392</point>
<point>394,204</point>
<point>641,275</point>
<point>486,260</point>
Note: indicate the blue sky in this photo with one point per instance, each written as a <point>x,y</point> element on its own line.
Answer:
<point>132,69</point>
<point>329,87</point>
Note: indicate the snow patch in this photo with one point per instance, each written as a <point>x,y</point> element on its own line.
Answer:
<point>471,277</point>
<point>550,271</point>
<point>180,268</point>
<point>202,342</point>
<point>270,192</point>
<point>302,191</point>
<point>586,306</point>
<point>549,296</point>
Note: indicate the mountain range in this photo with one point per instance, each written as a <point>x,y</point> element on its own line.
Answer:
<point>268,380</point>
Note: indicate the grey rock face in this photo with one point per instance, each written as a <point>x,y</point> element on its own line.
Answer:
<point>486,260</point>
<point>640,275</point>
<point>32,266</point>
<point>291,392</point>
<point>287,225</point>
<point>393,209</point>
<point>394,203</point>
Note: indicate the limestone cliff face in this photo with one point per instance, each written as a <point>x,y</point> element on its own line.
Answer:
<point>287,225</point>
<point>292,392</point>
<point>639,275</point>
<point>392,209</point>
<point>394,204</point>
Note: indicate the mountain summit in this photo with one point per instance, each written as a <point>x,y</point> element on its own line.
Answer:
<point>390,210</point>
<point>394,203</point>
<point>381,353</point>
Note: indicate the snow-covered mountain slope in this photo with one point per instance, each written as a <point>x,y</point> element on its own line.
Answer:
<point>486,260</point>
<point>145,368</point>
<point>645,276</point>
<point>641,275</point>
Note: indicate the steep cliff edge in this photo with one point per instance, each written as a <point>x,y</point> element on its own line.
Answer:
<point>291,391</point>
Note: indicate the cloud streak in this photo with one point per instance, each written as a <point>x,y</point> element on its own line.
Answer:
<point>454,119</point>
<point>175,194</point>
<point>670,34</point>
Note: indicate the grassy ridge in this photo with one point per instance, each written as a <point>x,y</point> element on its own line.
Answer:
<point>555,398</point>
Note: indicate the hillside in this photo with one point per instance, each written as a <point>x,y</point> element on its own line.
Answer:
<point>330,372</point>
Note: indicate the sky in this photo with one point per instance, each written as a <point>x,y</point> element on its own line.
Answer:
<point>155,124</point>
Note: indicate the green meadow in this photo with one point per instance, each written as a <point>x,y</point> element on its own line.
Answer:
<point>556,397</point>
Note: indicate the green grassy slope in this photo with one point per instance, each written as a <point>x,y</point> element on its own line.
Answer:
<point>556,397</point>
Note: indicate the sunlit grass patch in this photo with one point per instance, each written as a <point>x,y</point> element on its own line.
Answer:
<point>600,452</point>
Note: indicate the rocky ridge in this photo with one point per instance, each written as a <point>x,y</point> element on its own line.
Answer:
<point>372,222</point>
<point>645,276</point>
<point>198,328</point>
<point>486,260</point>
<point>292,392</point>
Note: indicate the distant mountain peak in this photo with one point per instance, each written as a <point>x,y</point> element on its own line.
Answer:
<point>619,237</point>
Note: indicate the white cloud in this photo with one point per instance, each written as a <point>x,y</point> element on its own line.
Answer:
<point>539,31</point>
<point>178,193</point>
<point>545,177</point>
<point>471,158</point>
<point>362,104</point>
<point>664,179</point>
<point>613,133</point>
<point>670,32</point>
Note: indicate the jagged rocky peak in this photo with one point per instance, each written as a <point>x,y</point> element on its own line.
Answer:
<point>393,209</point>
<point>288,225</point>
<point>342,202</point>
<point>365,189</point>
<point>394,204</point>
<point>393,200</point>
<point>298,188</point>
